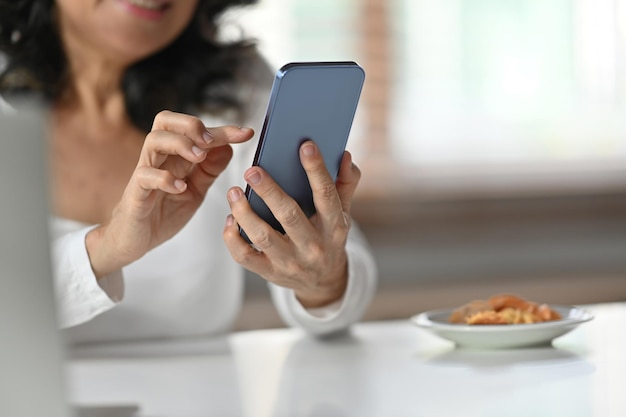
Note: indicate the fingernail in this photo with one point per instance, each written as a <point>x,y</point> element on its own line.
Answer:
<point>197,151</point>
<point>308,149</point>
<point>207,136</point>
<point>180,184</point>
<point>254,178</point>
<point>230,220</point>
<point>234,195</point>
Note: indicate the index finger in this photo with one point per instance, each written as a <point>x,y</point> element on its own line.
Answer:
<point>193,128</point>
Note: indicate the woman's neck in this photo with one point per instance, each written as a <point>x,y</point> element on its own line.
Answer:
<point>93,101</point>
<point>94,90</point>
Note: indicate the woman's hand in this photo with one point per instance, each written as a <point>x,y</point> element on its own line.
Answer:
<point>311,257</point>
<point>179,161</point>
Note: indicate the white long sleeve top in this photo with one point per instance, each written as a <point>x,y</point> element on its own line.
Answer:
<point>189,285</point>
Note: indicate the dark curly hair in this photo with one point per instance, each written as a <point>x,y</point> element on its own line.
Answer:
<point>172,79</point>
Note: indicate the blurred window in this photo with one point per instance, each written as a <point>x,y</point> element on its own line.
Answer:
<point>484,96</point>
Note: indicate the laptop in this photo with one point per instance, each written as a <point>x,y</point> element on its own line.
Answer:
<point>32,352</point>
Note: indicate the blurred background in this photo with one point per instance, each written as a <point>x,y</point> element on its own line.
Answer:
<point>492,140</point>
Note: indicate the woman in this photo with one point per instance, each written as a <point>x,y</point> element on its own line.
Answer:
<point>137,248</point>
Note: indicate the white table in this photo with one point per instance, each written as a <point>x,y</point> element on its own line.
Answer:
<point>380,369</point>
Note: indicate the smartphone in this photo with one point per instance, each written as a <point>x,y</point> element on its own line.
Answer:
<point>309,101</point>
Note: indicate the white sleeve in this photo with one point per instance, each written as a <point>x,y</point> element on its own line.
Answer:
<point>80,296</point>
<point>338,316</point>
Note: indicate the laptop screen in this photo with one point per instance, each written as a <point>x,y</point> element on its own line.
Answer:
<point>31,350</point>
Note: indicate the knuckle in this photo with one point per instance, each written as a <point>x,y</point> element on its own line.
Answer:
<point>150,139</point>
<point>289,216</point>
<point>141,172</point>
<point>292,267</point>
<point>143,175</point>
<point>160,116</point>
<point>242,258</point>
<point>262,238</point>
<point>267,192</point>
<point>193,124</point>
<point>327,190</point>
<point>164,178</point>
<point>150,178</point>
<point>339,234</point>
<point>294,270</point>
<point>315,251</point>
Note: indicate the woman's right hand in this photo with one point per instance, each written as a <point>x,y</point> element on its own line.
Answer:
<point>179,161</point>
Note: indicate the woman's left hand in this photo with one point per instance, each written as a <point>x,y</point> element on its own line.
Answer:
<point>310,257</point>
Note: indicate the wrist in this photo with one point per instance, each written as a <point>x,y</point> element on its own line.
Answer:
<point>323,295</point>
<point>103,260</point>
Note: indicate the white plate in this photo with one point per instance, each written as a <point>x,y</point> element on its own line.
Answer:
<point>505,335</point>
